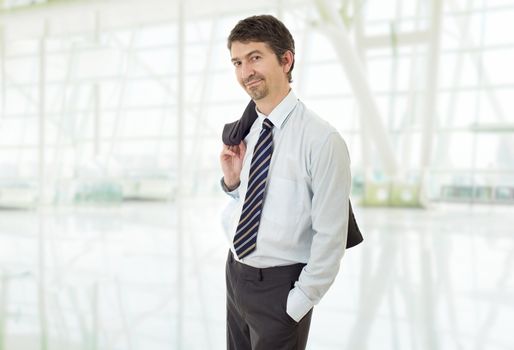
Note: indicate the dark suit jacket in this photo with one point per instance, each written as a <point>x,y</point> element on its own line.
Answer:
<point>234,132</point>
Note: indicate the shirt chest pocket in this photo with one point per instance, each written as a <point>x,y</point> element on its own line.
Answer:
<point>284,202</point>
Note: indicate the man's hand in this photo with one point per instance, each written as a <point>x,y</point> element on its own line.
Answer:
<point>231,159</point>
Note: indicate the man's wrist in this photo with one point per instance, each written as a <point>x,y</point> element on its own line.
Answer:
<point>227,187</point>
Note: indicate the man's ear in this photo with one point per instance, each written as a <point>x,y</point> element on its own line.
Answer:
<point>287,61</point>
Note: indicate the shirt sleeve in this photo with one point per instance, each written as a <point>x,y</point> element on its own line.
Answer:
<point>331,179</point>
<point>234,193</point>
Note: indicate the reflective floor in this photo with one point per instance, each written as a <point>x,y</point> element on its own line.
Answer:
<point>150,276</point>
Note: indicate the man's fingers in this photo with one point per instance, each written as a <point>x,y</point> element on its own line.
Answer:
<point>234,150</point>
<point>227,152</point>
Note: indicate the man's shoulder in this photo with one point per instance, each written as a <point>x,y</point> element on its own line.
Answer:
<point>314,126</point>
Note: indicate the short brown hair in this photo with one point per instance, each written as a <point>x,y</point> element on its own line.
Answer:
<point>266,29</point>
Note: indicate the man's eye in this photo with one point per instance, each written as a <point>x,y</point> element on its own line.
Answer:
<point>256,58</point>
<point>236,63</point>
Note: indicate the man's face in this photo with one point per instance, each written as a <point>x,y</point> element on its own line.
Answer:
<point>257,69</point>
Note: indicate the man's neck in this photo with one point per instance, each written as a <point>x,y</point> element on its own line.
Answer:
<point>268,104</point>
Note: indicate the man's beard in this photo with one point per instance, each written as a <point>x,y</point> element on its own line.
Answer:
<point>258,92</point>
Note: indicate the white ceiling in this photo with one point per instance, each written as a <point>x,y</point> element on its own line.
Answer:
<point>65,17</point>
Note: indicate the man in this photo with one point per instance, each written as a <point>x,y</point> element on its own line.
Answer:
<point>290,182</point>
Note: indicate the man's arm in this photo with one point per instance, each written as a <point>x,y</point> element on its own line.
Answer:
<point>331,178</point>
<point>231,160</point>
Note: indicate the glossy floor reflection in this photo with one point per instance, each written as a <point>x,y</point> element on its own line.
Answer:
<point>115,278</point>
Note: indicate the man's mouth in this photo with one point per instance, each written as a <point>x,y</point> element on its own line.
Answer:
<point>253,83</point>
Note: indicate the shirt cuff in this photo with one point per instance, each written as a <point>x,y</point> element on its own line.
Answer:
<point>298,304</point>
<point>232,193</point>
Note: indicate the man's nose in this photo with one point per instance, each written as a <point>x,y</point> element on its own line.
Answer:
<point>246,71</point>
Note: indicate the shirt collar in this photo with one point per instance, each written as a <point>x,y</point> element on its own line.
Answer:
<point>280,113</point>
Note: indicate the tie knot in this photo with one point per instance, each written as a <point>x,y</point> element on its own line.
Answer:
<point>267,124</point>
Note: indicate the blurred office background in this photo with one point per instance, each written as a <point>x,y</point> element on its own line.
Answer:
<point>110,122</point>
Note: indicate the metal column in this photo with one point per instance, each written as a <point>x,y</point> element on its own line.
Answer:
<point>337,34</point>
<point>180,171</point>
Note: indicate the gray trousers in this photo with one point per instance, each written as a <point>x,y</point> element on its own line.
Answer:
<point>256,308</point>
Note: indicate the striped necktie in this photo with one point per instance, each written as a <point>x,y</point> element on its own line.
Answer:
<point>245,238</point>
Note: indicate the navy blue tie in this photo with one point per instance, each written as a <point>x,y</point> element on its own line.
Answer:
<point>245,239</point>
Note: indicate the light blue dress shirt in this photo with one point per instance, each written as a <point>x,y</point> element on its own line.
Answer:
<point>305,213</point>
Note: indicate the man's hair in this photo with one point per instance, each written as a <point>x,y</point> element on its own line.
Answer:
<point>266,29</point>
